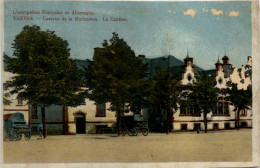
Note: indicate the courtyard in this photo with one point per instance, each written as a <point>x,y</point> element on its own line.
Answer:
<point>218,146</point>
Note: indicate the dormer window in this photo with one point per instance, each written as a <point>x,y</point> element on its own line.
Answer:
<point>220,81</point>
<point>189,77</point>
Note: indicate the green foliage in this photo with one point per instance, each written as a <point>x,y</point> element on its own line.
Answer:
<point>6,95</point>
<point>240,98</point>
<point>6,101</point>
<point>45,73</point>
<point>204,96</point>
<point>164,91</point>
<point>116,75</point>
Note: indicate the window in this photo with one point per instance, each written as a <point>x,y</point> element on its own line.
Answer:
<point>189,77</point>
<point>227,125</point>
<point>196,111</point>
<point>34,111</point>
<point>183,127</point>
<point>220,80</point>
<point>101,110</point>
<point>243,124</point>
<point>183,110</point>
<point>226,108</point>
<point>244,112</point>
<point>189,111</point>
<point>215,126</point>
<point>222,107</point>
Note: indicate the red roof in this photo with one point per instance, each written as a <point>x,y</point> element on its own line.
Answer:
<point>7,116</point>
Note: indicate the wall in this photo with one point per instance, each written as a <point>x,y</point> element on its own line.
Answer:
<point>14,107</point>
<point>53,116</point>
<point>89,110</point>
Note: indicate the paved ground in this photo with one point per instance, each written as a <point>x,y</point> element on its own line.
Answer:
<point>177,147</point>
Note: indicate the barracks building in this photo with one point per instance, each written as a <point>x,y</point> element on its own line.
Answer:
<point>93,118</point>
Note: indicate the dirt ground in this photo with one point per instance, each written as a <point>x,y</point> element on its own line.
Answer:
<point>218,146</point>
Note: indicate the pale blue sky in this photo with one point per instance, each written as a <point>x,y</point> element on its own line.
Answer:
<point>152,28</point>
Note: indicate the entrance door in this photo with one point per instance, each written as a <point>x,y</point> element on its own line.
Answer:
<point>196,127</point>
<point>80,123</point>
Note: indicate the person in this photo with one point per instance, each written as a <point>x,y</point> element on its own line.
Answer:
<point>198,130</point>
<point>40,128</point>
<point>138,118</point>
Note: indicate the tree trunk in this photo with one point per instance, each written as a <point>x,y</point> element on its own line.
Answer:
<point>167,122</point>
<point>171,121</point>
<point>169,125</point>
<point>118,123</point>
<point>238,118</point>
<point>205,122</point>
<point>44,122</point>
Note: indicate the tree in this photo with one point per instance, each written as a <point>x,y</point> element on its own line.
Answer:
<point>241,99</point>
<point>165,94</point>
<point>204,96</point>
<point>6,101</point>
<point>6,95</point>
<point>115,75</point>
<point>45,73</point>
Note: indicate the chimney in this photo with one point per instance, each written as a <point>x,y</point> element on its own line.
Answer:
<point>225,60</point>
<point>188,60</point>
<point>249,58</point>
<point>218,65</point>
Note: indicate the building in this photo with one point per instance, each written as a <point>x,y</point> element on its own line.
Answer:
<point>12,103</point>
<point>91,117</point>
<point>188,119</point>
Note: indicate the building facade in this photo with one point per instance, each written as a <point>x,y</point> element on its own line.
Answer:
<point>187,119</point>
<point>93,118</point>
<point>12,103</point>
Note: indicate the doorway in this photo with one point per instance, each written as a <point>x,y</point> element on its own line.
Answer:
<point>80,123</point>
<point>197,127</point>
<point>215,126</point>
<point>227,125</point>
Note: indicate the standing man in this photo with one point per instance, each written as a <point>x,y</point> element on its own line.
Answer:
<point>40,128</point>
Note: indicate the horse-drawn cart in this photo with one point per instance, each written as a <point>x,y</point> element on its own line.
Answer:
<point>14,126</point>
<point>131,125</point>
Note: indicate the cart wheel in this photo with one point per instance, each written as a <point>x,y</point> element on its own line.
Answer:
<point>123,132</point>
<point>145,132</point>
<point>132,132</point>
<point>135,131</point>
<point>18,136</point>
<point>27,136</point>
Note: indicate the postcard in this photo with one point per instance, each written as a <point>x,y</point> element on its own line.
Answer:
<point>130,83</point>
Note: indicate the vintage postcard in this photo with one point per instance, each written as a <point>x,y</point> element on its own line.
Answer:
<point>130,83</point>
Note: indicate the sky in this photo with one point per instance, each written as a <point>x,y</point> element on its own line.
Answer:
<point>206,30</point>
